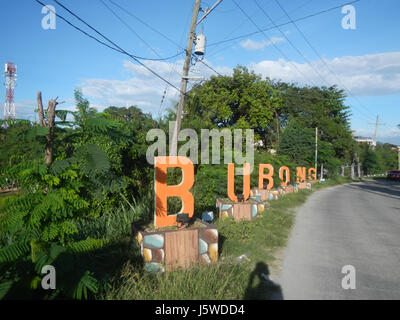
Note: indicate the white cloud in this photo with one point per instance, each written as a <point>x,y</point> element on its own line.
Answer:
<point>385,134</point>
<point>254,45</point>
<point>368,75</point>
<point>143,88</point>
<point>25,109</point>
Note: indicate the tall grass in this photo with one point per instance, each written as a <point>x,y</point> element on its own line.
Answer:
<point>227,279</point>
<point>216,282</point>
<point>116,224</point>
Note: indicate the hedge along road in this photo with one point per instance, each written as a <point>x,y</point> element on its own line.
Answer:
<point>357,224</point>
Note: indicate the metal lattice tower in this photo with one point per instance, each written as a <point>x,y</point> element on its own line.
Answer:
<point>10,74</point>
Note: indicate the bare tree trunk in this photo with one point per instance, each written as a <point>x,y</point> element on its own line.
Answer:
<point>40,109</point>
<point>51,114</point>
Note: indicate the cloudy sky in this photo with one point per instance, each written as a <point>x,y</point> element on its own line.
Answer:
<point>316,50</point>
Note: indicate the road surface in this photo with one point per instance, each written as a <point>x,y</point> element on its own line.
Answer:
<point>356,224</point>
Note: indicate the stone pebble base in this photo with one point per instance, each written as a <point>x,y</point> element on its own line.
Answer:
<point>257,202</point>
<point>174,249</point>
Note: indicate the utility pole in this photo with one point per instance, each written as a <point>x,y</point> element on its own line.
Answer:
<point>173,148</point>
<point>398,157</point>
<point>322,171</point>
<point>352,170</point>
<point>277,124</point>
<point>316,150</point>
<point>376,128</point>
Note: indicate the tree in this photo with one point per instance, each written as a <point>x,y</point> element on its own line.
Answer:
<point>240,101</point>
<point>297,142</point>
<point>319,107</point>
<point>74,182</point>
<point>49,124</point>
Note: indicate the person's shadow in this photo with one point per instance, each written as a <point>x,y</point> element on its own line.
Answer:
<point>260,287</point>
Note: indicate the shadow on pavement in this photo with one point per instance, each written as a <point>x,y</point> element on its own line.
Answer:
<point>382,188</point>
<point>260,286</point>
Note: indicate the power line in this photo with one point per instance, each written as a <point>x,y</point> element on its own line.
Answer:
<point>165,94</point>
<point>282,24</point>
<point>161,34</point>
<point>317,53</point>
<point>129,27</point>
<point>151,48</point>
<point>144,23</point>
<point>291,43</point>
<point>270,41</point>
<point>137,35</point>
<point>212,53</point>
<point>116,48</point>
<point>102,35</point>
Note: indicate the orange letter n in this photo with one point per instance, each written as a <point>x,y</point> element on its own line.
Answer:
<point>301,174</point>
<point>163,191</point>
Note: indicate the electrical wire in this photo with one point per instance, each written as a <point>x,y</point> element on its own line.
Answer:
<point>273,44</point>
<point>115,48</point>
<point>144,23</point>
<point>317,53</point>
<point>291,43</point>
<point>161,34</point>
<point>165,94</point>
<point>214,52</point>
<point>282,24</point>
<point>130,29</point>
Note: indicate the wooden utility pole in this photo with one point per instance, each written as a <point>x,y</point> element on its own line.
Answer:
<point>316,150</point>
<point>376,129</point>
<point>398,156</point>
<point>277,124</point>
<point>173,148</point>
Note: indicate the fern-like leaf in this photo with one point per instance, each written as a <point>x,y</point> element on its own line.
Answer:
<point>87,245</point>
<point>86,282</point>
<point>13,251</point>
<point>4,288</point>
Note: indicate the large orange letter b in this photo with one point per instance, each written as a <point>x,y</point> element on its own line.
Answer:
<point>163,191</point>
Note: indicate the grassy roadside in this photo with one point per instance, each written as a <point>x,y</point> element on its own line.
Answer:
<point>228,279</point>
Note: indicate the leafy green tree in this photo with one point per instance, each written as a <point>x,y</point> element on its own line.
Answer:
<point>319,107</point>
<point>16,143</point>
<point>133,163</point>
<point>38,226</point>
<point>298,143</point>
<point>240,101</point>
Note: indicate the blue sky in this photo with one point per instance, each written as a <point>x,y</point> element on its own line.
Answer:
<point>365,60</point>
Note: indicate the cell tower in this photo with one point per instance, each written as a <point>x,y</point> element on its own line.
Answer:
<point>10,73</point>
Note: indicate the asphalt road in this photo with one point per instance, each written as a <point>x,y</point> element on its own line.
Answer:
<point>356,224</point>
